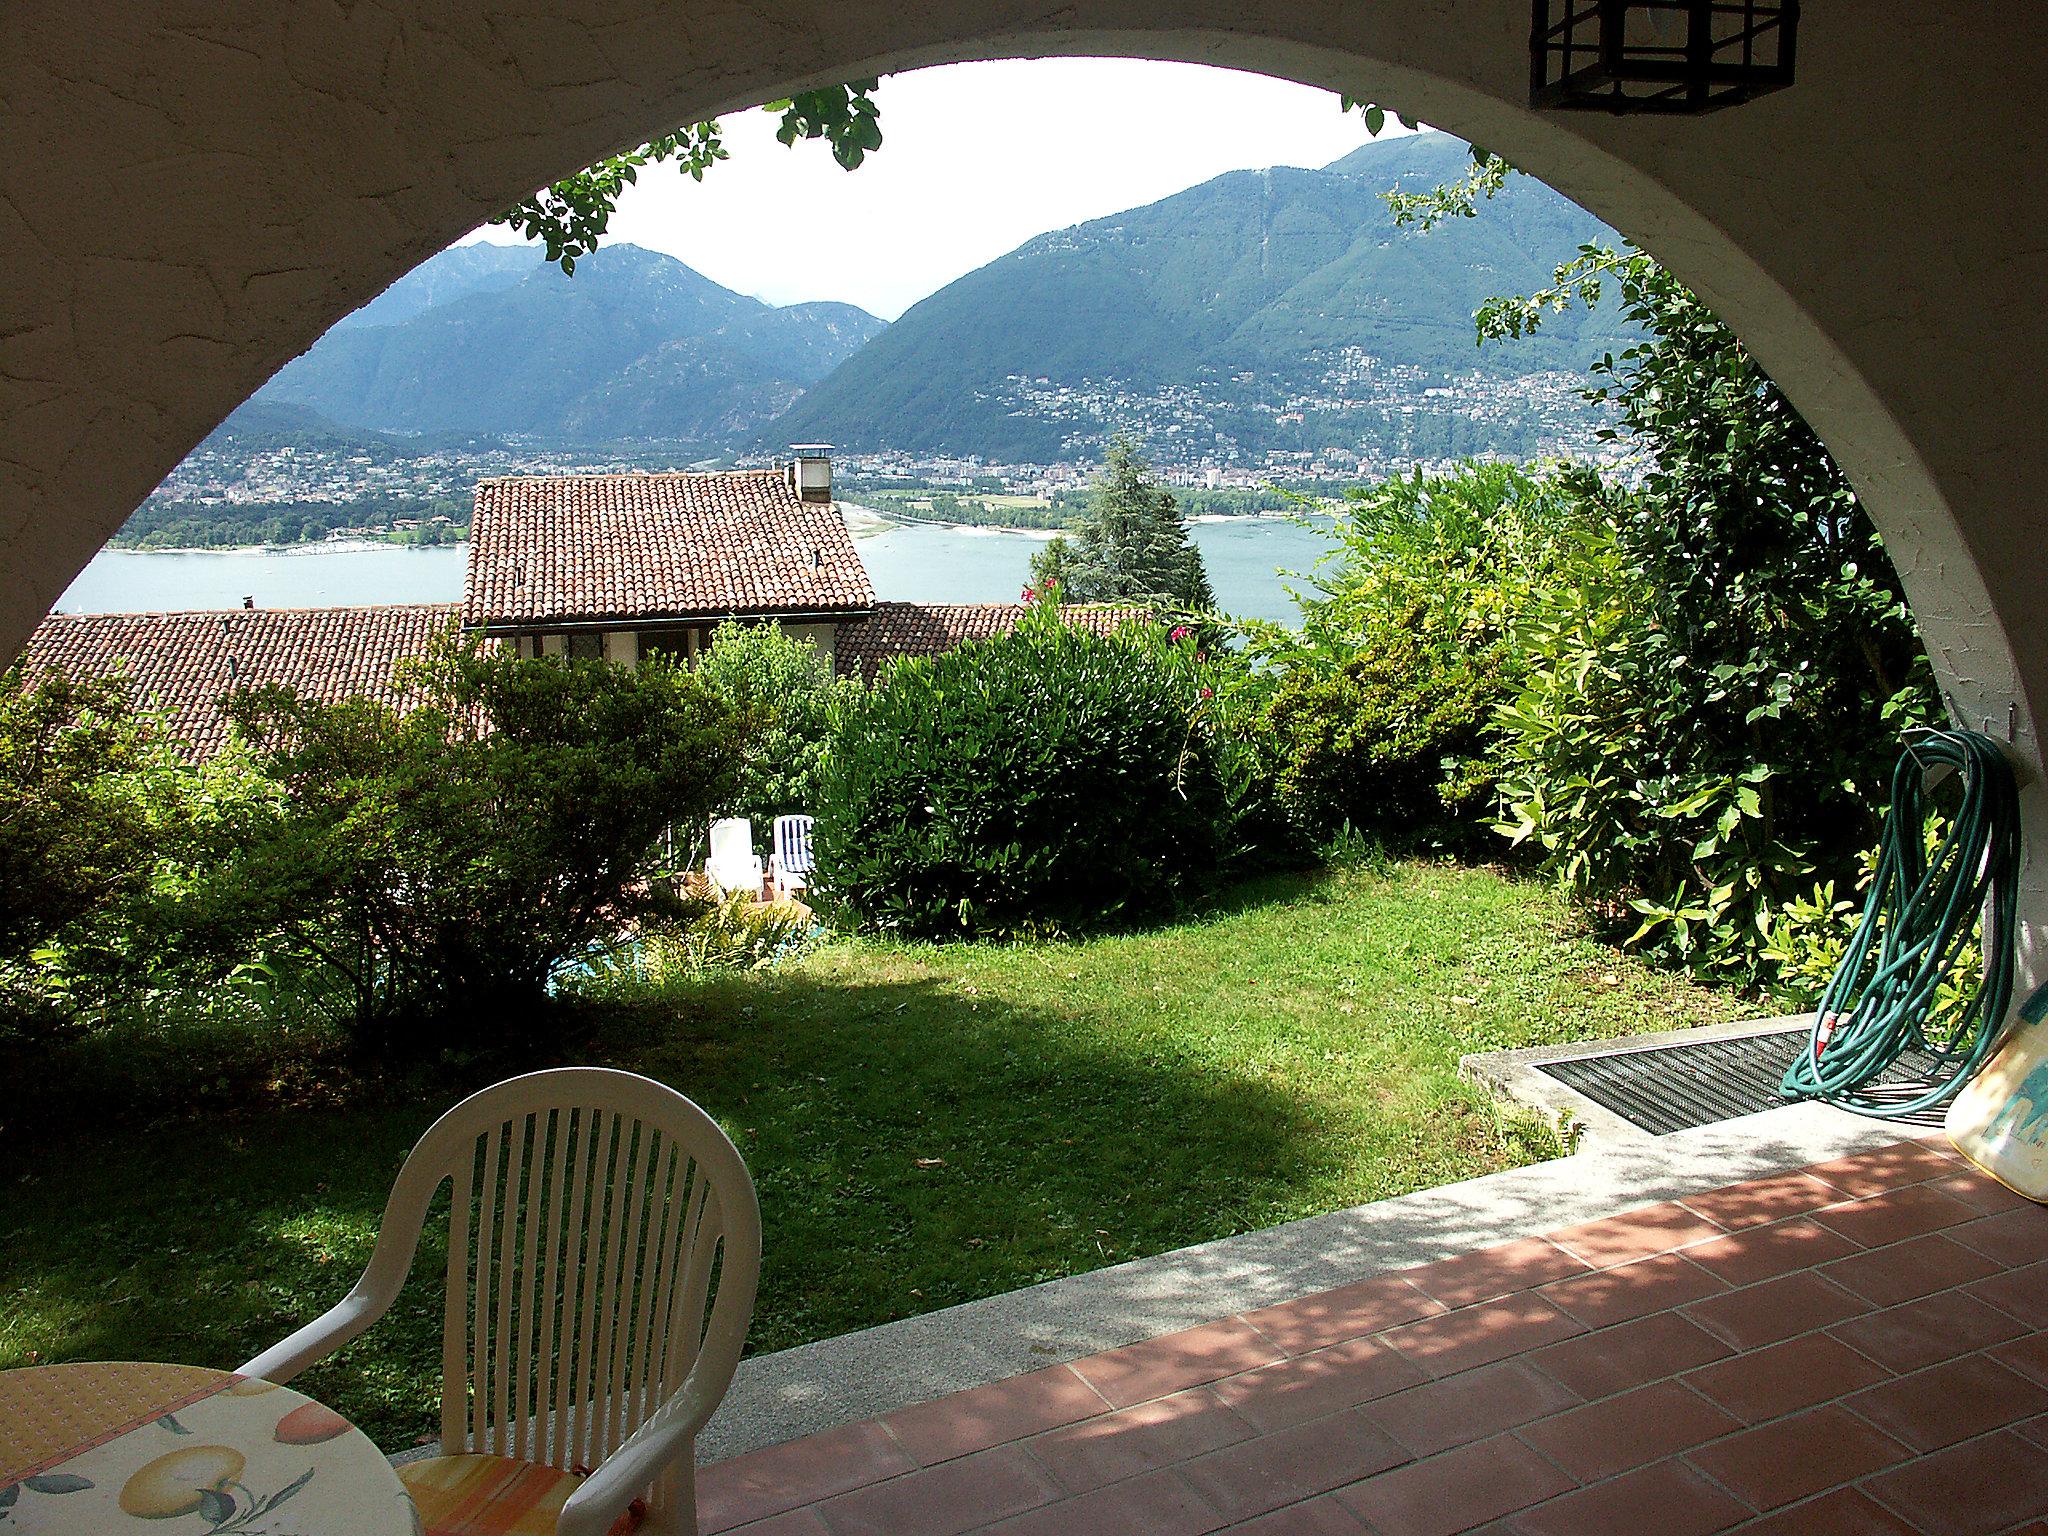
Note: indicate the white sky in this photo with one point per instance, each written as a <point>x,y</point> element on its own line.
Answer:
<point>975,159</point>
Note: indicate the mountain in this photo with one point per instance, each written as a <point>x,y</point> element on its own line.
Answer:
<point>634,345</point>
<point>1240,311</point>
<point>454,274</point>
<point>260,425</point>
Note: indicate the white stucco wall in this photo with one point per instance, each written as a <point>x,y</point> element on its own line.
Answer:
<point>190,193</point>
<point>824,636</point>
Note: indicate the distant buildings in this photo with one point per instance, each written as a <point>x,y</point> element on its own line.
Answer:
<point>615,567</point>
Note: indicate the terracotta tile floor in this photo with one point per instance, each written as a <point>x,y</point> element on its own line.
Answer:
<point>1861,1346</point>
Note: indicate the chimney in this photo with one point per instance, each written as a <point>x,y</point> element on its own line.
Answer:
<point>248,602</point>
<point>811,474</point>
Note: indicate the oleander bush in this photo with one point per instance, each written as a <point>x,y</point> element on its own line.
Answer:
<point>1718,682</point>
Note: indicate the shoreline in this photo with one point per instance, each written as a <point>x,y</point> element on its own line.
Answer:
<point>306,547</point>
<point>861,521</point>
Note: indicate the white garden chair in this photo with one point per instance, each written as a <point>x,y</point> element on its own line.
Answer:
<point>733,865</point>
<point>590,1211</point>
<point>790,859</point>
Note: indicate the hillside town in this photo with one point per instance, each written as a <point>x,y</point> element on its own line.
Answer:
<point>1362,421</point>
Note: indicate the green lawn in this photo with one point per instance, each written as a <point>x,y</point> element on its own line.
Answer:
<point>926,1124</point>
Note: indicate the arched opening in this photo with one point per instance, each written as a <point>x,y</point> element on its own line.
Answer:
<point>1896,335</point>
<point>335,152</point>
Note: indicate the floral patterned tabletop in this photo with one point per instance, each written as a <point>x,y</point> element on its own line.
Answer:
<point>178,1450</point>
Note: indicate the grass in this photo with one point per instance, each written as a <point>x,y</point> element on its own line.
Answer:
<point>926,1124</point>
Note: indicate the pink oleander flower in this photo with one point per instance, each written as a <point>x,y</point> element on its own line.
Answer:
<point>1026,595</point>
<point>1208,693</point>
<point>1051,582</point>
<point>1180,633</point>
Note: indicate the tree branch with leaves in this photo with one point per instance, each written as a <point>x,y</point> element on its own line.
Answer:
<point>1458,199</point>
<point>569,217</point>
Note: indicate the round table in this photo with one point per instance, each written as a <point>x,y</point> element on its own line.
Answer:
<point>116,1449</point>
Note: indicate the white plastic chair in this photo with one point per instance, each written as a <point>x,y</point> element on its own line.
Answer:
<point>589,1211</point>
<point>733,865</point>
<point>790,861</point>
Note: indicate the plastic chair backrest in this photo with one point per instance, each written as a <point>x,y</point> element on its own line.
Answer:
<point>732,839</point>
<point>589,1210</point>
<point>793,844</point>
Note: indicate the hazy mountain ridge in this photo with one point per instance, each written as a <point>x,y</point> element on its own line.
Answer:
<point>1245,291</point>
<point>555,356</point>
<point>1274,311</point>
<point>453,274</point>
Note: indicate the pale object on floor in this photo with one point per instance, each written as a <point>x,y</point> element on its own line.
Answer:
<point>1999,1120</point>
<point>790,862</point>
<point>590,1211</point>
<point>733,865</point>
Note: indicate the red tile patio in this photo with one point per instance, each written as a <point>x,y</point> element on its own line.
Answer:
<point>1860,1346</point>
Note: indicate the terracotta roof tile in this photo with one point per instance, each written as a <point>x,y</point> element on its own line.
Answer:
<point>187,663</point>
<point>926,629</point>
<point>594,547</point>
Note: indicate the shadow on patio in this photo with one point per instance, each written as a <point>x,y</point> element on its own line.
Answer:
<point>1854,1346</point>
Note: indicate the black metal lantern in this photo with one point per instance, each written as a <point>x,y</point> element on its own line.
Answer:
<point>1659,55</point>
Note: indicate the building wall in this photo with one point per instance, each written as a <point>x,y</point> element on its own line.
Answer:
<point>824,636</point>
<point>628,646</point>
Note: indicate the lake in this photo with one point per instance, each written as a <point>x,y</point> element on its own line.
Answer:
<point>908,562</point>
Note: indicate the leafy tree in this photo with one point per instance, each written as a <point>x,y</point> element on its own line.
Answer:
<point>1457,199</point>
<point>81,788</point>
<point>446,865</point>
<point>1130,545</point>
<point>783,688</point>
<point>1711,726</point>
<point>570,216</point>
<point>1379,711</point>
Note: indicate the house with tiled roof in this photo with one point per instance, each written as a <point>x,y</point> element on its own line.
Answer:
<point>186,665</point>
<point>619,567</point>
<point>623,566</point>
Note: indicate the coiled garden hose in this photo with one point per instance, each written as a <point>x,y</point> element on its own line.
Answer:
<point>1917,924</point>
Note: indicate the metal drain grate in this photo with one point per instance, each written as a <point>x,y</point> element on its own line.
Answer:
<point>1668,1088</point>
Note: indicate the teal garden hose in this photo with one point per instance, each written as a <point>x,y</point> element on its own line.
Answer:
<point>1917,924</point>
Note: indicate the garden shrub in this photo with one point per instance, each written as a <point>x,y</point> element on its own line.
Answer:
<point>103,821</point>
<point>1378,714</point>
<point>1718,684</point>
<point>448,865</point>
<point>1045,781</point>
<point>703,937</point>
<point>87,798</point>
<point>783,688</point>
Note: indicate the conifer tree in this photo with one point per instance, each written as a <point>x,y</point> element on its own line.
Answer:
<point>1131,545</point>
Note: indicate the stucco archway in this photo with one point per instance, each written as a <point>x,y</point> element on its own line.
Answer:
<point>190,193</point>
